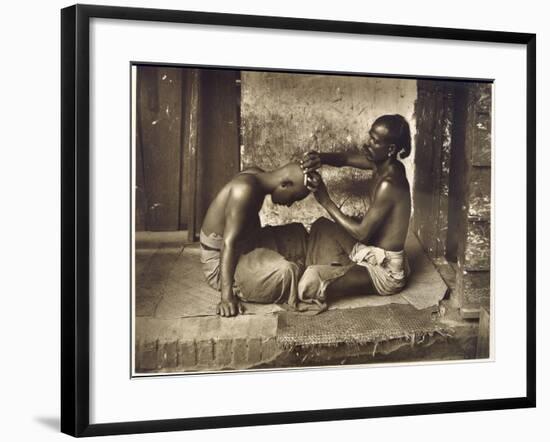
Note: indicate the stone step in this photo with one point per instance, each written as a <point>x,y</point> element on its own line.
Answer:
<point>205,343</point>
<point>206,355</point>
<point>209,344</point>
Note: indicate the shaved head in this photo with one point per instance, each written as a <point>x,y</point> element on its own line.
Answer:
<point>291,187</point>
<point>296,175</point>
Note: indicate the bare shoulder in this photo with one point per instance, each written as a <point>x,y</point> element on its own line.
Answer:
<point>386,189</point>
<point>396,176</point>
<point>251,170</point>
<point>393,185</point>
<point>244,188</point>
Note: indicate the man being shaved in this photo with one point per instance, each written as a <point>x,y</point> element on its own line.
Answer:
<point>244,261</point>
<point>347,256</point>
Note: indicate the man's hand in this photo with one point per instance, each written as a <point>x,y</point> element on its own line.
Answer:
<point>229,306</point>
<point>317,186</point>
<point>310,162</point>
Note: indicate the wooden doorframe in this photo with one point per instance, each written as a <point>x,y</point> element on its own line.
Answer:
<point>190,97</point>
<point>198,143</point>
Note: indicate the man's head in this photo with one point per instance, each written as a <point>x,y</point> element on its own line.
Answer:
<point>388,136</point>
<point>290,185</point>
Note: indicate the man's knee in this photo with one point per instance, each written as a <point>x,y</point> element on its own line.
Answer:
<point>322,225</point>
<point>288,269</point>
<point>292,231</point>
<point>263,265</point>
<point>299,228</point>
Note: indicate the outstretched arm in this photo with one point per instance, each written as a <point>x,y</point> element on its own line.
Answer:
<point>314,160</point>
<point>237,209</point>
<point>361,231</point>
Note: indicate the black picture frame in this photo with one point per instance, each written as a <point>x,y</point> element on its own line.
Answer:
<point>75,212</point>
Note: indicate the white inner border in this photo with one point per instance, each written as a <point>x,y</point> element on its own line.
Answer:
<point>114,397</point>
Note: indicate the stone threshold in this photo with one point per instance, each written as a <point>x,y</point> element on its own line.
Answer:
<point>213,344</point>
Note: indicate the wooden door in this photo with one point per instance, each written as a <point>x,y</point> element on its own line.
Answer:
<point>158,148</point>
<point>187,144</point>
<point>218,153</point>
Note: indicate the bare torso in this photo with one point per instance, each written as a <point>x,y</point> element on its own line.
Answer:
<point>392,232</point>
<point>214,220</point>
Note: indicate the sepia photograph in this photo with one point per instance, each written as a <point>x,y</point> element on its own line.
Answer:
<point>291,220</point>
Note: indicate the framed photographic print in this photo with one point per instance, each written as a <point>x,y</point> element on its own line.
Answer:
<point>269,204</point>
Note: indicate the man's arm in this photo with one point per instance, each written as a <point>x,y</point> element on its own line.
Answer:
<point>374,217</point>
<point>313,160</point>
<point>237,209</point>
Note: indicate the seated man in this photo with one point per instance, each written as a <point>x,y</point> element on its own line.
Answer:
<point>356,257</point>
<point>241,259</point>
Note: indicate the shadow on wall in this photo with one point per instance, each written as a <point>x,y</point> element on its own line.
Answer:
<point>286,115</point>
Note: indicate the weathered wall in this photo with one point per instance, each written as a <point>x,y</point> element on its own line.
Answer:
<point>474,246</point>
<point>283,115</point>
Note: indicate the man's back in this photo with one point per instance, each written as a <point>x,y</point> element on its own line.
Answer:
<point>242,185</point>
